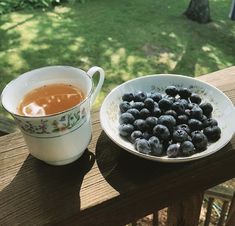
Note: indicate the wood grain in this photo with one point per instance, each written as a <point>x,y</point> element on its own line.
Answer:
<point>208,212</point>
<point>185,212</point>
<point>107,185</point>
<point>231,213</point>
<point>7,125</point>
<point>223,213</point>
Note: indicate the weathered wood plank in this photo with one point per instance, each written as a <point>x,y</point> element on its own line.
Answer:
<point>220,192</point>
<point>223,213</point>
<point>185,212</point>
<point>7,125</point>
<point>231,213</point>
<point>208,213</point>
<point>155,218</point>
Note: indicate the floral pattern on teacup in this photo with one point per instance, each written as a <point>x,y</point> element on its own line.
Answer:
<point>53,127</point>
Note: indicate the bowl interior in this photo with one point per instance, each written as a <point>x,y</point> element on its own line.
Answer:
<point>223,111</point>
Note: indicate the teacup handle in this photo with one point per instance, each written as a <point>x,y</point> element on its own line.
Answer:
<point>91,72</point>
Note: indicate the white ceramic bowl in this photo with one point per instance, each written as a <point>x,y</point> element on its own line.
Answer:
<point>224,111</point>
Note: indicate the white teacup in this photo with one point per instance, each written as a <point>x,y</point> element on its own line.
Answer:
<point>60,138</point>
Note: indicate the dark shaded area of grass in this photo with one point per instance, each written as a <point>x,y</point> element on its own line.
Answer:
<point>127,38</point>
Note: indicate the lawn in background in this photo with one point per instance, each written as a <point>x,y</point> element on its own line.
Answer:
<point>126,38</point>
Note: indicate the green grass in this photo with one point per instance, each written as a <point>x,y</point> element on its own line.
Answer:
<point>127,38</point>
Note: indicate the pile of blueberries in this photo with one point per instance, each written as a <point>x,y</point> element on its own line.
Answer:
<point>175,124</point>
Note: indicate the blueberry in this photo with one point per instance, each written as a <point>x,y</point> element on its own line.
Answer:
<point>140,96</point>
<point>156,96</point>
<point>126,118</point>
<point>187,148</point>
<point>138,105</point>
<point>204,118</point>
<point>146,135</point>
<point>178,107</point>
<point>125,130</point>
<point>207,108</point>
<point>173,150</point>
<point>151,122</point>
<point>172,99</point>
<point>144,113</point>
<point>209,122</point>
<point>165,104</point>
<point>179,136</point>
<point>212,133</point>
<point>135,142</point>
<point>156,112</point>
<point>143,146</point>
<point>167,120</point>
<point>192,105</point>
<point>195,98</point>
<point>128,97</point>
<point>140,124</point>
<point>149,103</point>
<point>156,146</point>
<point>165,144</point>
<point>171,91</point>
<point>124,106</point>
<point>182,119</point>
<point>156,105</point>
<point>199,140</point>
<point>134,112</point>
<point>196,112</point>
<point>168,124</point>
<point>184,127</point>
<point>136,134</point>
<point>195,124</point>
<point>162,132</point>
<point>187,112</point>
<point>184,102</point>
<point>184,93</point>
<point>172,113</point>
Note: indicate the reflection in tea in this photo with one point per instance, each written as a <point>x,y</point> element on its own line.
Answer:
<point>50,99</point>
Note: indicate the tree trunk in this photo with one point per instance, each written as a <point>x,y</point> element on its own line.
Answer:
<point>198,10</point>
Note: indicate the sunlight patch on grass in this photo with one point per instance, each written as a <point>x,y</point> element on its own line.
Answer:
<point>131,60</point>
<point>167,58</point>
<point>206,48</point>
<point>117,56</point>
<point>73,47</point>
<point>172,35</point>
<point>200,69</point>
<point>62,9</point>
<point>217,56</point>
<point>27,30</point>
<point>41,47</point>
<point>85,60</point>
<point>16,61</point>
<point>15,20</point>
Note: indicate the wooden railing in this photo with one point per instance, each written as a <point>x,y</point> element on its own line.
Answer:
<point>225,196</point>
<point>219,198</point>
<point>6,126</point>
<point>180,214</point>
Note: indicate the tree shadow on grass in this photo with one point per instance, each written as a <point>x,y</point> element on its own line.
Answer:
<point>114,39</point>
<point>127,39</point>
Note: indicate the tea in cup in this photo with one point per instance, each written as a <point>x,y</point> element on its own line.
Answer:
<point>51,106</point>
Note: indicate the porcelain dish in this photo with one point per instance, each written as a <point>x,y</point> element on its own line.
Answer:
<point>224,111</point>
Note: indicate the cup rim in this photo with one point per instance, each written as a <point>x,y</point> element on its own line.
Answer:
<point>54,114</point>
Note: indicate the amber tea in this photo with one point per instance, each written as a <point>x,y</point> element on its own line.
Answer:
<point>50,99</point>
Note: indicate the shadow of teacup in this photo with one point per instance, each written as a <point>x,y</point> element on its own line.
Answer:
<point>48,192</point>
